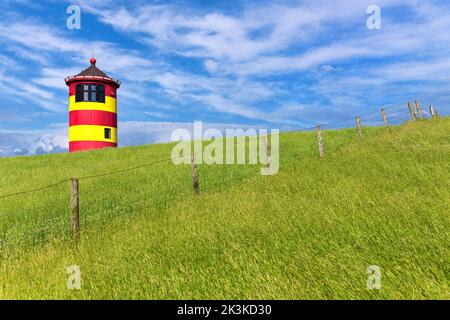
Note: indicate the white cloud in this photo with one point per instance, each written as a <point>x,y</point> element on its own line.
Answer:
<point>30,92</point>
<point>32,34</point>
<point>28,142</point>
<point>54,77</point>
<point>423,71</point>
<point>212,65</point>
<point>259,31</point>
<point>308,60</point>
<point>157,114</point>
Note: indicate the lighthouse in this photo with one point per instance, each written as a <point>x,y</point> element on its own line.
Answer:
<point>92,109</point>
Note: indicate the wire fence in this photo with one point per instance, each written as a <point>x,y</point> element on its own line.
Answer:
<point>48,218</point>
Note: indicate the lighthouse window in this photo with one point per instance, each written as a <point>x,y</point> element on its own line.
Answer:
<point>86,92</point>
<point>107,133</point>
<point>90,93</point>
<point>93,94</point>
<point>100,93</point>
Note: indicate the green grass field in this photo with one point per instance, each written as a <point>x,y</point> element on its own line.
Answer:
<point>309,232</point>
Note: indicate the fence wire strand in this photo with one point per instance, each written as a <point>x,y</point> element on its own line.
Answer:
<point>335,141</point>
<point>34,190</point>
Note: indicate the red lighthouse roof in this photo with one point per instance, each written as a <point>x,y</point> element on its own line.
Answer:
<point>93,70</point>
<point>92,73</point>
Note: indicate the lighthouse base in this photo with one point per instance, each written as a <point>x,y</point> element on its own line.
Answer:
<point>76,146</point>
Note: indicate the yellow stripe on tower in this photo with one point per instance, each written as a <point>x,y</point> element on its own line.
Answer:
<point>109,105</point>
<point>91,133</point>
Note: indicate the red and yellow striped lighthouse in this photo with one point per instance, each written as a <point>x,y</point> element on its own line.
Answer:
<point>92,110</point>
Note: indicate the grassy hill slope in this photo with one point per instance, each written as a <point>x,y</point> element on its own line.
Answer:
<point>308,232</point>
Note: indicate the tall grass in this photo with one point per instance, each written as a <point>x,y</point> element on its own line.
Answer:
<point>309,232</point>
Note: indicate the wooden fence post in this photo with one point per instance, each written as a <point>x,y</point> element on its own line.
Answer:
<point>383,113</point>
<point>432,111</point>
<point>75,205</point>
<point>358,124</point>
<point>411,111</point>
<point>195,182</point>
<point>419,110</point>
<point>319,137</point>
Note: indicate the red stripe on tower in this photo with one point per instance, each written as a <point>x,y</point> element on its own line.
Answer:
<point>93,117</point>
<point>89,145</point>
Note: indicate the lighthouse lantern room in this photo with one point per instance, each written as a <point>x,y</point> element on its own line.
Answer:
<point>92,110</point>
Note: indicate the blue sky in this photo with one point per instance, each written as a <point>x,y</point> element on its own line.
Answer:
<point>276,64</point>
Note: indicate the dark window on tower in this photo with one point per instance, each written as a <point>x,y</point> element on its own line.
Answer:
<point>107,133</point>
<point>90,93</point>
<point>101,93</point>
<point>79,93</point>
